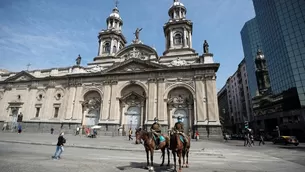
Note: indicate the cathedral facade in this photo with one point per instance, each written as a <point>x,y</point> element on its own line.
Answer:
<point>125,86</point>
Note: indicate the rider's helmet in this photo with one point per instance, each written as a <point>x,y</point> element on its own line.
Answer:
<point>156,119</point>
<point>179,119</point>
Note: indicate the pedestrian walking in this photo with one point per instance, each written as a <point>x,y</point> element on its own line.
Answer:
<point>261,139</point>
<point>60,146</point>
<point>52,130</point>
<point>130,133</point>
<point>19,128</point>
<point>4,126</point>
<point>77,130</point>
<point>197,135</point>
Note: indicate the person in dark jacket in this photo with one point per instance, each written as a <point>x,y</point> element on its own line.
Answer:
<point>59,146</point>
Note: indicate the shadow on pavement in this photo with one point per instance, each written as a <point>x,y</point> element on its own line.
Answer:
<point>293,148</point>
<point>138,165</point>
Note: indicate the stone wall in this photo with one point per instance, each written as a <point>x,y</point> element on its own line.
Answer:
<point>210,132</point>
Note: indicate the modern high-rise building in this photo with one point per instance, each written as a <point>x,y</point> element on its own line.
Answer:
<point>281,25</point>
<point>250,37</point>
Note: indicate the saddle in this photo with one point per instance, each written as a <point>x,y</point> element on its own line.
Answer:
<point>161,139</point>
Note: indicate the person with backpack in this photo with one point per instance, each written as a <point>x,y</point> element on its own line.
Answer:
<point>59,146</point>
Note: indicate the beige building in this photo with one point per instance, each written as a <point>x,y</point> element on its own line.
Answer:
<point>125,86</point>
<point>239,100</point>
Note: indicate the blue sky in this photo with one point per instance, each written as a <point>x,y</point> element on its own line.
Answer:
<point>51,33</point>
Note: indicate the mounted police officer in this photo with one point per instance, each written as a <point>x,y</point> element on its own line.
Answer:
<point>179,127</point>
<point>155,129</point>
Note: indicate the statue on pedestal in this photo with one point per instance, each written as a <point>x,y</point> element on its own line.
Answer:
<point>137,34</point>
<point>205,47</point>
<point>78,60</point>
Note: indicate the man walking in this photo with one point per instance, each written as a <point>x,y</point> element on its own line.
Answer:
<point>130,133</point>
<point>59,146</point>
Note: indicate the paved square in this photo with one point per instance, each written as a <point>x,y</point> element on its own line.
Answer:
<point>215,157</point>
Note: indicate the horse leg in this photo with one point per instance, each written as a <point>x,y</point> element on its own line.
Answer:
<point>183,157</point>
<point>147,158</point>
<point>187,158</point>
<point>168,157</point>
<point>175,163</point>
<point>179,160</point>
<point>152,159</point>
<point>163,154</point>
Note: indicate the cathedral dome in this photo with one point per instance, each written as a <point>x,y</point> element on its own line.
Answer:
<point>115,13</point>
<point>177,3</point>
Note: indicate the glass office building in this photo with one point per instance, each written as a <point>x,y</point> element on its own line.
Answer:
<point>281,25</point>
<point>251,41</point>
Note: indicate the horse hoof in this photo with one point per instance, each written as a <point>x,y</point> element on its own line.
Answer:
<point>167,165</point>
<point>151,169</point>
<point>146,168</point>
<point>187,166</point>
<point>161,165</point>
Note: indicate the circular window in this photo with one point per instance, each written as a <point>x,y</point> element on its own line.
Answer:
<point>40,96</point>
<point>59,95</point>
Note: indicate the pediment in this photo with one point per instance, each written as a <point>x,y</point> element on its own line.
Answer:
<point>138,51</point>
<point>21,76</point>
<point>133,65</point>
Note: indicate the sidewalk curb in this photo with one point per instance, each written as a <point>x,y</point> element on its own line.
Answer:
<point>192,151</point>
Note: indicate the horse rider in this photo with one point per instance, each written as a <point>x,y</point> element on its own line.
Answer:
<point>179,127</point>
<point>155,129</point>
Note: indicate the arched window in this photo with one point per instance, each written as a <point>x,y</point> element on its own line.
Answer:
<point>178,39</point>
<point>114,49</point>
<point>106,47</point>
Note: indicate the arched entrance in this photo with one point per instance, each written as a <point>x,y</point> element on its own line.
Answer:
<point>180,102</point>
<point>132,103</point>
<point>91,108</point>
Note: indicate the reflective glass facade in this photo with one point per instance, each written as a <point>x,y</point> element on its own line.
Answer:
<point>251,40</point>
<point>282,29</point>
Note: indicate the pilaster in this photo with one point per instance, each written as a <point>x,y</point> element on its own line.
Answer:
<point>115,103</point>
<point>161,104</point>
<point>77,109</point>
<point>152,91</point>
<point>213,114</point>
<point>48,111</point>
<point>171,38</point>
<point>71,95</point>
<point>106,101</point>
<point>200,100</point>
<point>31,110</point>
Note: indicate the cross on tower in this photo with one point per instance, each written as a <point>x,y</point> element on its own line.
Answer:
<point>116,3</point>
<point>28,65</point>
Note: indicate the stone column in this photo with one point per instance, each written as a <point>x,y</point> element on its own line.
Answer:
<point>184,37</point>
<point>200,98</point>
<point>77,111</point>
<point>142,114</point>
<point>123,110</point>
<point>213,114</point>
<point>152,99</point>
<point>161,107</point>
<point>190,39</point>
<point>106,101</point>
<point>49,109</point>
<point>111,48</point>
<point>115,103</point>
<point>171,38</point>
<point>190,116</point>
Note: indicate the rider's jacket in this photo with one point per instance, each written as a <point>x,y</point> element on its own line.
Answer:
<point>179,127</point>
<point>156,126</point>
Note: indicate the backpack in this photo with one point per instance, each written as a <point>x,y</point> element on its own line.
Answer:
<point>64,140</point>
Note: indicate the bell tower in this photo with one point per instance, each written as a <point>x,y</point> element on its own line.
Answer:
<point>112,39</point>
<point>178,31</point>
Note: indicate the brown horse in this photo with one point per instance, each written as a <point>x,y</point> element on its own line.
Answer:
<point>180,149</point>
<point>150,146</point>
